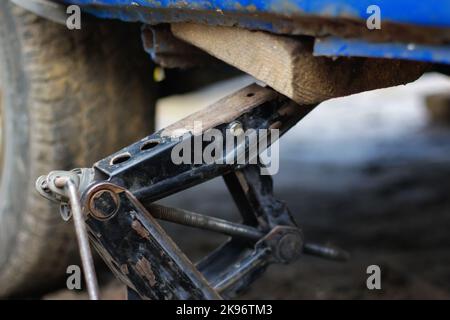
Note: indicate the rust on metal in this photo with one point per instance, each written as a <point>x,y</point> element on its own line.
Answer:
<point>103,204</point>
<point>141,231</point>
<point>144,268</point>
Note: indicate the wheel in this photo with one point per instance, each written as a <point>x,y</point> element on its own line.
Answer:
<point>67,99</point>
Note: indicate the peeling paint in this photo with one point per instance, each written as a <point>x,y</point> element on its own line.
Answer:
<point>144,268</point>
<point>141,231</point>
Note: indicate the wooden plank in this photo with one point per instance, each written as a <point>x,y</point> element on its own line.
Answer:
<point>287,65</point>
<point>223,111</point>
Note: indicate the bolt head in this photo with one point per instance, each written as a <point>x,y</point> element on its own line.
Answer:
<point>104,204</point>
<point>290,247</point>
<point>236,128</point>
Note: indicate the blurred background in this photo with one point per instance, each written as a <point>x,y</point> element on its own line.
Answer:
<point>369,173</point>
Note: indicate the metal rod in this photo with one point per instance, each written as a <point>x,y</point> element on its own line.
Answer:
<point>233,229</point>
<point>196,220</point>
<point>325,252</point>
<point>83,240</point>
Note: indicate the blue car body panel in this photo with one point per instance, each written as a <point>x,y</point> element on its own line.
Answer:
<point>333,46</point>
<point>415,12</point>
<point>256,14</point>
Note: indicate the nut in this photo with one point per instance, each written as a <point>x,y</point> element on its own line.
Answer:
<point>104,204</point>
<point>236,128</point>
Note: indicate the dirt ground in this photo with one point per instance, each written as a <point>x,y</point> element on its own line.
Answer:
<point>368,173</point>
